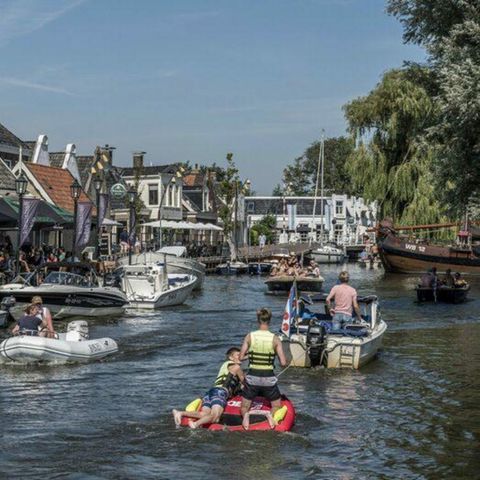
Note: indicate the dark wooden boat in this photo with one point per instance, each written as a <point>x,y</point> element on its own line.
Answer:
<point>442,294</point>
<point>402,255</point>
<point>283,284</point>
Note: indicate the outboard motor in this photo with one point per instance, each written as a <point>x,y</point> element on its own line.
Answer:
<point>315,342</point>
<point>5,306</point>
<point>77,331</point>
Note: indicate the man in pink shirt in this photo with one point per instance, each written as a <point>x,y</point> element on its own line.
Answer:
<point>345,298</point>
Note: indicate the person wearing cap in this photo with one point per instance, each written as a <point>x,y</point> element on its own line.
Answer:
<point>345,298</point>
<point>29,323</point>
<point>43,313</point>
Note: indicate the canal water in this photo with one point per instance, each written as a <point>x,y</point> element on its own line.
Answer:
<point>413,413</point>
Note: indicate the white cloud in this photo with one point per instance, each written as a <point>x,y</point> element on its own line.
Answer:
<point>17,82</point>
<point>22,17</point>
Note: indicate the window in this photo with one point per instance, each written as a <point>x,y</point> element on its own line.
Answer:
<point>153,194</point>
<point>250,207</point>
<point>338,207</point>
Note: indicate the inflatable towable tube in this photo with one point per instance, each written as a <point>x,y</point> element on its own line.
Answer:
<point>232,419</point>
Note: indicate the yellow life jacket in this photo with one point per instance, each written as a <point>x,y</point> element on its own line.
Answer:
<point>227,380</point>
<point>261,354</point>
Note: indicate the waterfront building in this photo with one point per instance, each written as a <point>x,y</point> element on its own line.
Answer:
<point>345,220</point>
<point>12,148</point>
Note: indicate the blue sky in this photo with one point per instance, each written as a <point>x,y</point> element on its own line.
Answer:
<point>192,80</point>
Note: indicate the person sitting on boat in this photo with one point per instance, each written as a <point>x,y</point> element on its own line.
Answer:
<point>459,282</point>
<point>227,385</point>
<point>261,346</point>
<point>345,298</point>
<point>449,280</point>
<point>29,323</point>
<point>44,314</point>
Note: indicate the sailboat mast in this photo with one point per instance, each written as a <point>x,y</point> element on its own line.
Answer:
<point>322,190</point>
<point>316,191</point>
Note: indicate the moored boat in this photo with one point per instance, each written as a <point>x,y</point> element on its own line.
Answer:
<point>232,268</point>
<point>259,268</point>
<point>326,254</point>
<point>72,346</point>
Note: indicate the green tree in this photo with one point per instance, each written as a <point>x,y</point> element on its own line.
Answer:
<point>301,175</point>
<point>266,225</point>
<point>393,161</point>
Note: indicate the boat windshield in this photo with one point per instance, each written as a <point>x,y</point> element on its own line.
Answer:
<point>68,278</point>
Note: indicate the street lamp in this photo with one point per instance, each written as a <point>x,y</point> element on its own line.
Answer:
<point>132,195</point>
<point>97,183</point>
<point>75,191</point>
<point>173,179</point>
<point>21,188</point>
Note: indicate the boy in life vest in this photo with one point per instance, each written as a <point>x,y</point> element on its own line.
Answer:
<point>262,347</point>
<point>227,385</point>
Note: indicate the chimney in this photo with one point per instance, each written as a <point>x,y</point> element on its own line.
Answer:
<point>108,151</point>
<point>138,160</point>
<point>195,169</point>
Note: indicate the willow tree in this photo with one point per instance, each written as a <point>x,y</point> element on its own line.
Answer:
<point>392,161</point>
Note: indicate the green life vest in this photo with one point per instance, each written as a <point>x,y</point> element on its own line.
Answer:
<point>227,380</point>
<point>261,354</point>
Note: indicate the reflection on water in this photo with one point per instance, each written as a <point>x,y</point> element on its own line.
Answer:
<point>412,413</point>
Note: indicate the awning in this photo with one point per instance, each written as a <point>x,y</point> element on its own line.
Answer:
<point>182,225</point>
<point>46,212</point>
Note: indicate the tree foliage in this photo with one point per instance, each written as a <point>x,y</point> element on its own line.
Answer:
<point>300,177</point>
<point>392,162</point>
<point>266,225</point>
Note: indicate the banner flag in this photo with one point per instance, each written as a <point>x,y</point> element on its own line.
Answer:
<point>290,310</point>
<point>84,223</point>
<point>133,224</point>
<point>102,208</point>
<point>29,210</point>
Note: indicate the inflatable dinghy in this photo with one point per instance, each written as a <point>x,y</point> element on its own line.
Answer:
<point>73,346</point>
<point>232,419</point>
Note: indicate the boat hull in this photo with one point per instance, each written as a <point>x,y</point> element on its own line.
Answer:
<point>442,294</point>
<point>30,349</point>
<point>342,351</point>
<point>284,284</point>
<point>326,258</point>
<point>401,256</point>
<point>63,304</point>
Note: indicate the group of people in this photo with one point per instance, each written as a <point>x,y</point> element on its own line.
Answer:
<point>36,321</point>
<point>261,347</point>
<point>431,279</point>
<point>292,267</point>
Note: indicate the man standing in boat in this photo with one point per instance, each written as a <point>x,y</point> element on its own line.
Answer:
<point>345,298</point>
<point>262,346</point>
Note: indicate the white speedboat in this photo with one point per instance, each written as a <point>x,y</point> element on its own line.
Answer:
<point>313,342</point>
<point>177,259</point>
<point>151,287</point>
<point>67,289</point>
<point>328,254</point>
<point>72,346</point>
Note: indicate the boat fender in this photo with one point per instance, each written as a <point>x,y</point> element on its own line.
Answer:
<point>279,415</point>
<point>194,406</point>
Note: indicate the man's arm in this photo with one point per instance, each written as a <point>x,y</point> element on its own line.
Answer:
<point>15,329</point>
<point>357,308</point>
<point>237,370</point>
<point>277,345</point>
<point>329,298</point>
<point>245,346</point>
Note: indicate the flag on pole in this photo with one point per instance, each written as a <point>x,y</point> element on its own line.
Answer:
<point>290,310</point>
<point>29,210</point>
<point>102,208</point>
<point>84,223</point>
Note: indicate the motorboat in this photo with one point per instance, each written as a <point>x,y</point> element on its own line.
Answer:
<point>177,259</point>
<point>151,287</point>
<point>5,315</point>
<point>443,293</point>
<point>328,254</point>
<point>312,341</point>
<point>73,346</point>
<point>67,289</point>
<point>259,268</point>
<point>283,283</point>
<point>232,268</point>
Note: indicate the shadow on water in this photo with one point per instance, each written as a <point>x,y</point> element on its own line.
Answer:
<point>411,413</point>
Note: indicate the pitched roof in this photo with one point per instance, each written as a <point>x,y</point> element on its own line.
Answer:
<point>7,178</point>
<point>194,180</point>
<point>84,163</point>
<point>8,138</point>
<point>149,170</point>
<point>56,182</point>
